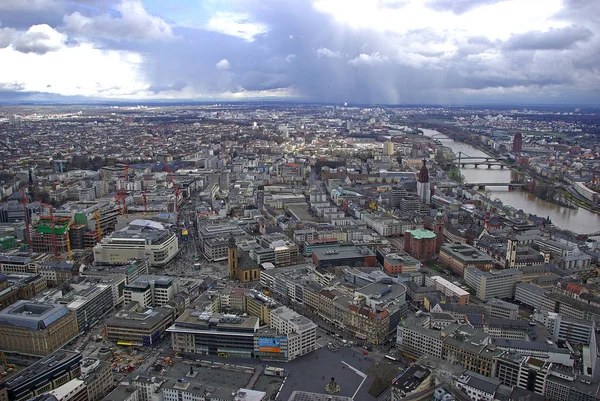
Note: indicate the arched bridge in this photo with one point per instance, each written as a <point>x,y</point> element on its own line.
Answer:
<point>464,160</point>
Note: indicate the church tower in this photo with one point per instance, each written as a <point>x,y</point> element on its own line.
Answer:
<point>423,185</point>
<point>438,229</point>
<point>232,258</point>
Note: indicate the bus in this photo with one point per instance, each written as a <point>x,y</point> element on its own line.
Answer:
<point>275,371</point>
<point>391,358</point>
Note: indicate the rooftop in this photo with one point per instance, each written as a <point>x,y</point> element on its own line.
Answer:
<point>421,233</point>
<point>498,303</point>
<point>333,253</point>
<point>411,378</point>
<point>467,253</point>
<point>34,316</point>
<point>479,382</point>
<point>41,366</point>
<point>145,318</point>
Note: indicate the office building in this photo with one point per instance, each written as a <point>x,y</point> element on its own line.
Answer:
<point>151,290</point>
<point>301,333</point>
<point>458,257</point>
<point>477,387</point>
<point>89,302</point>
<point>190,383</point>
<point>530,294</point>
<point>98,377</point>
<point>141,239</point>
<point>44,375</point>
<point>131,270</point>
<point>564,328</point>
<point>208,333</point>
<point>259,305</point>
<point>56,273</point>
<point>394,264</point>
<point>492,284</point>
<point>385,299</point>
<point>136,325</point>
<point>36,329</point>
<point>21,262</point>
<point>448,289</point>
<point>416,341</point>
<point>412,380</point>
<point>347,256</point>
<point>500,309</point>
<point>470,348</point>
<point>73,390</point>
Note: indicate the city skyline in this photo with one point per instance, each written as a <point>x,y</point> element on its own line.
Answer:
<point>378,51</point>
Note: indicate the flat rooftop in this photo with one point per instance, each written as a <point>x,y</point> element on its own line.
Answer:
<point>498,303</point>
<point>196,320</point>
<point>334,253</point>
<point>382,291</point>
<point>452,287</point>
<point>41,366</point>
<point>410,379</point>
<point>306,396</point>
<point>467,254</point>
<point>148,318</point>
<point>200,377</point>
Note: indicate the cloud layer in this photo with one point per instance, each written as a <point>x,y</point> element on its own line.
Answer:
<point>368,51</point>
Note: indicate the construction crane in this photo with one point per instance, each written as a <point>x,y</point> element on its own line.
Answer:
<point>176,191</point>
<point>26,217</point>
<point>53,226</point>
<point>68,240</point>
<point>145,203</point>
<point>103,184</point>
<point>122,197</point>
<point>98,229</point>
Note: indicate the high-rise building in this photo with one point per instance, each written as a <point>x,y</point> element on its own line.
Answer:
<point>423,184</point>
<point>517,145</point>
<point>388,148</point>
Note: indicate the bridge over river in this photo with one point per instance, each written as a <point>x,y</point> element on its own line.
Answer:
<point>464,160</point>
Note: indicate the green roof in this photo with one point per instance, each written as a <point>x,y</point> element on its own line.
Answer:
<point>421,233</point>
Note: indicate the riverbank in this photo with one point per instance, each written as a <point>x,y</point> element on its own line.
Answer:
<point>579,220</point>
<point>557,196</point>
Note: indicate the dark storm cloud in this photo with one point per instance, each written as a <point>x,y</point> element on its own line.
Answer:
<point>360,66</point>
<point>554,39</point>
<point>325,60</point>
<point>459,6</point>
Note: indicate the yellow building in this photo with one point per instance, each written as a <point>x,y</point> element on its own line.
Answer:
<point>242,266</point>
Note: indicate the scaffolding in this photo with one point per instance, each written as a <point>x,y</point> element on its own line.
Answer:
<point>51,235</point>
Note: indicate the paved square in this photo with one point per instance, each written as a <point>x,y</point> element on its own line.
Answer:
<point>312,373</point>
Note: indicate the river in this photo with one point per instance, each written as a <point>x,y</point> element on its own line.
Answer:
<point>577,220</point>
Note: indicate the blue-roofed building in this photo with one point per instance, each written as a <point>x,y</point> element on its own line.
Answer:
<point>36,329</point>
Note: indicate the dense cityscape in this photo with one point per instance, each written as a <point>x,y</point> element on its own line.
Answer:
<point>288,251</point>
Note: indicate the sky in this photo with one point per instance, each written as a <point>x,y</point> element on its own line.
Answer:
<point>333,51</point>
